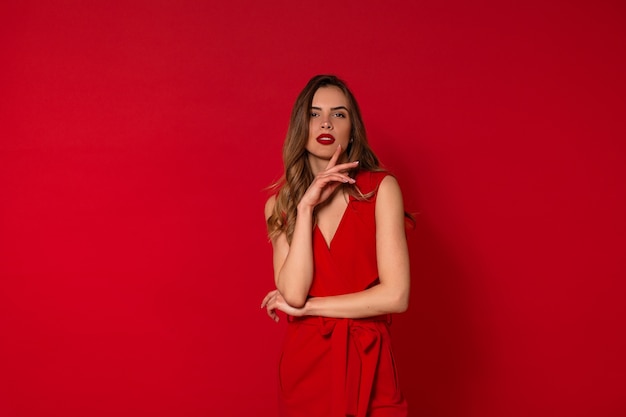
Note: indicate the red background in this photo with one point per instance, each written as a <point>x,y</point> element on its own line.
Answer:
<point>136,142</point>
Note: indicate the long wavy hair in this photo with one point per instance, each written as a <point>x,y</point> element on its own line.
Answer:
<point>298,174</point>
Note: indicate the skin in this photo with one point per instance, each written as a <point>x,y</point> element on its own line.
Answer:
<point>329,115</point>
<point>293,264</point>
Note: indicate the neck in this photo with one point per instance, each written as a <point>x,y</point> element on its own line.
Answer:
<point>317,165</point>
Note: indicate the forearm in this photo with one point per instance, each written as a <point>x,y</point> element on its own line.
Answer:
<point>373,301</point>
<point>296,275</point>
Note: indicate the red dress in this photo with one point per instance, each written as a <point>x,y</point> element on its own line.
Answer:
<point>342,367</point>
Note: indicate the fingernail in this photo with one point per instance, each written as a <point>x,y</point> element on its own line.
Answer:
<point>356,162</point>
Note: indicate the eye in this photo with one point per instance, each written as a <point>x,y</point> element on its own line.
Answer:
<point>314,114</point>
<point>340,115</point>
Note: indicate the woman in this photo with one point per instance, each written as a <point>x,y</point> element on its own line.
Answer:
<point>341,263</point>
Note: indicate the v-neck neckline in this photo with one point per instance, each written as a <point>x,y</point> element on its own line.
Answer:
<point>328,243</point>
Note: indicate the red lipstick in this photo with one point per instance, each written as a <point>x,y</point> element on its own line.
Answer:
<point>326,139</point>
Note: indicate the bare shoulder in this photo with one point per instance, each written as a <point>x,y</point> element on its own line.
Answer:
<point>269,206</point>
<point>389,189</point>
<point>389,204</point>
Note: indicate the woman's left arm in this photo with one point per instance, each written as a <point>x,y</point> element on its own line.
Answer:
<point>391,295</point>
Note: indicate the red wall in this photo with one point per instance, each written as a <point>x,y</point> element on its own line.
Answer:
<point>136,139</point>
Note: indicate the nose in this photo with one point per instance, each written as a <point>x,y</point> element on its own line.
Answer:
<point>326,125</point>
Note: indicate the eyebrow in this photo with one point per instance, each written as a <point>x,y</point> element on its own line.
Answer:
<point>332,108</point>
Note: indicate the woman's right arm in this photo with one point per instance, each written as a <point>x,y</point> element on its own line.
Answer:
<point>293,264</point>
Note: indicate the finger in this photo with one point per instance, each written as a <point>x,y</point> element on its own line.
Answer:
<point>267,298</point>
<point>329,177</point>
<point>344,167</point>
<point>271,312</point>
<point>334,158</point>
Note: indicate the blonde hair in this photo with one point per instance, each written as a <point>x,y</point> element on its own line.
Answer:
<point>298,174</point>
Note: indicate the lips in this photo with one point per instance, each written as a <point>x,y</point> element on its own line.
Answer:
<point>326,139</point>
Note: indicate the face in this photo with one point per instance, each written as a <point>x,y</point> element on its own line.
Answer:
<point>329,125</point>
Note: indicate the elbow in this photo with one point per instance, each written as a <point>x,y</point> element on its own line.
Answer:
<point>400,303</point>
<point>295,300</point>
<point>394,298</point>
<point>294,295</point>
<point>400,307</point>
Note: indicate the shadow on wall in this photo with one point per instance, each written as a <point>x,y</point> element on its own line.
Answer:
<point>434,343</point>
